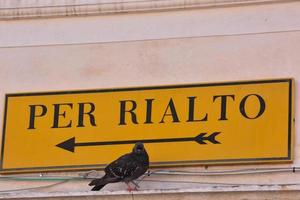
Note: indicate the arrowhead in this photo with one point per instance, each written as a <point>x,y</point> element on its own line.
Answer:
<point>68,144</point>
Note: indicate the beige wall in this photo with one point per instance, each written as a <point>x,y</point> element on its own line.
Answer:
<point>189,46</point>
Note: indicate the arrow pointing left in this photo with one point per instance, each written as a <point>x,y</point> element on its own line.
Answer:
<point>70,144</point>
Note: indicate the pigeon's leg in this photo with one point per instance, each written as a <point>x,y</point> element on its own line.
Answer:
<point>129,188</point>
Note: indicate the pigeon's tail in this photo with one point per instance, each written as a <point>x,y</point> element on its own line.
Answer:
<point>95,182</point>
<point>97,187</point>
<point>98,184</point>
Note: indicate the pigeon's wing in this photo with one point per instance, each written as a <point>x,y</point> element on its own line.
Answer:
<point>118,167</point>
<point>124,168</point>
<point>113,173</point>
<point>136,172</point>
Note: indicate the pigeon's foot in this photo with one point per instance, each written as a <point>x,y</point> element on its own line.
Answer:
<point>131,189</point>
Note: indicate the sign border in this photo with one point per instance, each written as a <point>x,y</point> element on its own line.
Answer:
<point>288,158</point>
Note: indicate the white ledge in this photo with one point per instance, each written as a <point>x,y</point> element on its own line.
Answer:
<point>20,9</point>
<point>171,192</point>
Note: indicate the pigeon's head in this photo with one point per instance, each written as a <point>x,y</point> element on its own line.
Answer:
<point>138,148</point>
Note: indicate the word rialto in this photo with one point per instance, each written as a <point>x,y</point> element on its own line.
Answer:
<point>85,112</point>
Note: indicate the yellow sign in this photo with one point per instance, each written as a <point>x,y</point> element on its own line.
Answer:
<point>233,122</point>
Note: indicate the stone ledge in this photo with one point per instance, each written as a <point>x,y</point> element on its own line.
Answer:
<point>256,191</point>
<point>50,9</point>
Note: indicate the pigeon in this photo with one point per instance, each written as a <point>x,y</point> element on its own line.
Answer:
<point>126,169</point>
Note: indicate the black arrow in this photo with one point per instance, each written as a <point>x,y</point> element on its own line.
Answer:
<point>70,144</point>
